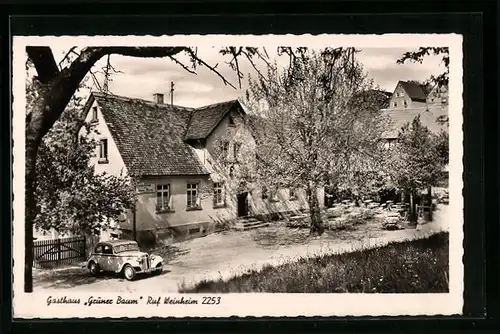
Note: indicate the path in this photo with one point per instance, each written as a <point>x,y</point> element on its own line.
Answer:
<point>223,255</point>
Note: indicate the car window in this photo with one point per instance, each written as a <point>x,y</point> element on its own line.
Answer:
<point>127,247</point>
<point>98,249</point>
<point>107,249</point>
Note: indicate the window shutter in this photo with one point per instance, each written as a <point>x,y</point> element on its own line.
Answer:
<point>170,199</point>
<point>214,194</point>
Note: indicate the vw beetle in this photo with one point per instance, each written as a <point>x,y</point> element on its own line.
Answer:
<point>123,256</point>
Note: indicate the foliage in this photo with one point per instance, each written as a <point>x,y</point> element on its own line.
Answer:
<point>419,266</point>
<point>419,55</point>
<point>419,158</point>
<point>70,196</point>
<point>316,121</point>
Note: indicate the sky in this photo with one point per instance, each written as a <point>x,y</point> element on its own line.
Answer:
<point>142,77</point>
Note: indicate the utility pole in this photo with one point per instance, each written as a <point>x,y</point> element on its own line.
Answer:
<point>134,223</point>
<point>172,93</point>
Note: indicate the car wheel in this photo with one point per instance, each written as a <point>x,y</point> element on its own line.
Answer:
<point>158,271</point>
<point>94,268</point>
<point>129,272</point>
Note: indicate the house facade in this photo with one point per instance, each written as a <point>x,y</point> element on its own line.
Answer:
<point>186,163</point>
<point>410,100</point>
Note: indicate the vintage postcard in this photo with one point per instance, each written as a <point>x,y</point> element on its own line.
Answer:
<point>219,175</point>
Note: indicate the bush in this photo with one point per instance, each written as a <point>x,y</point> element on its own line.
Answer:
<point>418,266</point>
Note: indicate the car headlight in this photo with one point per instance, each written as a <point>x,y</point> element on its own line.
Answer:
<point>153,257</point>
<point>139,259</point>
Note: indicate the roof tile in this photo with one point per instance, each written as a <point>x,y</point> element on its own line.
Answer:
<point>397,118</point>
<point>149,136</point>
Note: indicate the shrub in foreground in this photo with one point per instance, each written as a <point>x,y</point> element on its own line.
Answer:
<point>418,266</point>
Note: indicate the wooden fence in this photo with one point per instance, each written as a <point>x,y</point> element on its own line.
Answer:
<point>57,252</point>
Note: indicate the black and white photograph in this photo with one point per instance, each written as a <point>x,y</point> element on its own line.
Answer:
<point>218,175</point>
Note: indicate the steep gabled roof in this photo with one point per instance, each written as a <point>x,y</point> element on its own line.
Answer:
<point>150,136</point>
<point>397,118</point>
<point>416,91</point>
<point>205,119</point>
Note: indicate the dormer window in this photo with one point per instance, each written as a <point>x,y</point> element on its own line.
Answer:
<point>224,150</point>
<point>236,151</point>
<point>231,121</point>
<point>94,115</point>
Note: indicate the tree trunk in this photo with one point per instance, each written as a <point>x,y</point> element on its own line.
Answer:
<point>429,200</point>
<point>30,213</point>
<point>413,214</point>
<point>35,125</point>
<point>317,226</point>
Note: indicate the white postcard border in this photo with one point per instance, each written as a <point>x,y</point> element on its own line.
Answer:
<point>34,305</point>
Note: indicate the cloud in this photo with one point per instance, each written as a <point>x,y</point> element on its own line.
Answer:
<point>142,77</point>
<point>381,65</point>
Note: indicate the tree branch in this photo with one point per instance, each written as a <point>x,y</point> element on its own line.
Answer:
<point>45,64</point>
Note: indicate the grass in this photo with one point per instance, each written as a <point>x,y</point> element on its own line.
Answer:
<point>418,266</point>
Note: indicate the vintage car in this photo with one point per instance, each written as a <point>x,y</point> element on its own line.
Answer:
<point>123,257</point>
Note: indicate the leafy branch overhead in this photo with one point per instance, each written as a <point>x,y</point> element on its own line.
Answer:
<point>419,55</point>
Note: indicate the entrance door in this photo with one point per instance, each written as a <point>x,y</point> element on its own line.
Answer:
<point>243,204</point>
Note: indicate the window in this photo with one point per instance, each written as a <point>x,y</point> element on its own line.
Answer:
<point>163,197</point>
<point>98,249</point>
<point>236,151</point>
<point>444,100</point>
<point>406,103</point>
<point>219,194</point>
<point>192,196</point>
<point>127,247</point>
<point>231,121</point>
<point>231,172</point>
<point>395,104</point>
<point>264,193</point>
<point>225,150</point>
<point>107,249</point>
<point>103,150</point>
<point>291,194</point>
<point>94,114</point>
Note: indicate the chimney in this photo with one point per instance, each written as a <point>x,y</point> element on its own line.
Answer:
<point>171,93</point>
<point>158,98</point>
